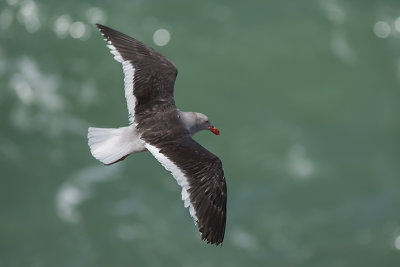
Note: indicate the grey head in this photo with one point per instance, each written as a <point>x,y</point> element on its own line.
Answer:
<point>195,121</point>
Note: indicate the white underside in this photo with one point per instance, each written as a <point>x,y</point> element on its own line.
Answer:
<point>129,74</point>
<point>180,178</point>
<point>108,145</point>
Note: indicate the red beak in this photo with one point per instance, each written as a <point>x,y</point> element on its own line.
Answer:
<point>213,130</point>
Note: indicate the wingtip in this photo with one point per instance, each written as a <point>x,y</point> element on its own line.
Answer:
<point>99,26</point>
<point>217,243</point>
<point>212,239</point>
<point>103,30</point>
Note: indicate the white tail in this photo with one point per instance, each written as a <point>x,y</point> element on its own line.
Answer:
<point>110,145</point>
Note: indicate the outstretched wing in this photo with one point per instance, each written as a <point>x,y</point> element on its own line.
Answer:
<point>149,76</point>
<point>201,176</point>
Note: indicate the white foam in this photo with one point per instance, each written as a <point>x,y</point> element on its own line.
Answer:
<point>80,187</point>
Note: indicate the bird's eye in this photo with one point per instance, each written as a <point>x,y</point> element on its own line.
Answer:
<point>207,121</point>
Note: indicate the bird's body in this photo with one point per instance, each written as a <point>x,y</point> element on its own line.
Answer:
<point>159,127</point>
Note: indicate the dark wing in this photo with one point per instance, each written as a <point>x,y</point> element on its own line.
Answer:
<point>149,76</point>
<point>201,176</point>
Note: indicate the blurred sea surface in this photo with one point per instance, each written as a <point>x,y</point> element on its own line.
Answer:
<point>306,95</point>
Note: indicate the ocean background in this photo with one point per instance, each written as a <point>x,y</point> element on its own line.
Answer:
<point>306,95</point>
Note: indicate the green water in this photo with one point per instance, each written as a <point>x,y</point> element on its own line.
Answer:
<point>306,95</point>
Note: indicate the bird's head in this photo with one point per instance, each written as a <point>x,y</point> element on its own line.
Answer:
<point>195,122</point>
<point>204,124</point>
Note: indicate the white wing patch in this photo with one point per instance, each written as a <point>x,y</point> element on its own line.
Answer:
<point>180,178</point>
<point>129,74</point>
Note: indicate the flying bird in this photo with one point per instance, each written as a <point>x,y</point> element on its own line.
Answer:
<point>158,126</point>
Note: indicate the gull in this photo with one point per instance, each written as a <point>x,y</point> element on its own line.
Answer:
<point>159,127</point>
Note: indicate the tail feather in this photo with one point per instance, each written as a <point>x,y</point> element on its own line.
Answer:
<point>110,145</point>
